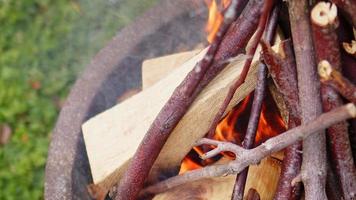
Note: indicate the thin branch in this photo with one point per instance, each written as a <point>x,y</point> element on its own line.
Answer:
<point>337,81</point>
<point>245,157</point>
<point>324,23</point>
<point>250,52</point>
<point>259,95</point>
<point>314,148</point>
<point>251,131</point>
<point>283,71</point>
<point>175,108</point>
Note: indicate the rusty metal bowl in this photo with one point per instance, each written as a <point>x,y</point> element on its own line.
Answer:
<point>171,26</point>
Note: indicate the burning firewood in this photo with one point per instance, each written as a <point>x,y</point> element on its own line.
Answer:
<point>191,102</point>
<point>245,157</point>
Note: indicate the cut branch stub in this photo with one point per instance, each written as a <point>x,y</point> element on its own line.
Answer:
<point>337,81</point>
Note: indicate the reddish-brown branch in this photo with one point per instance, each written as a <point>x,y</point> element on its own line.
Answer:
<point>259,94</point>
<point>250,52</point>
<point>224,46</point>
<point>314,148</point>
<point>348,8</point>
<point>324,23</point>
<point>283,71</point>
<point>336,80</point>
<point>251,128</point>
<point>245,157</point>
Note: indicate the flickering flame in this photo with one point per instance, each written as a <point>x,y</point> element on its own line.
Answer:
<point>233,127</point>
<point>215,17</point>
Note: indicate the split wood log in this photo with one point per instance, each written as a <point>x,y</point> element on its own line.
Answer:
<point>153,70</point>
<point>112,137</point>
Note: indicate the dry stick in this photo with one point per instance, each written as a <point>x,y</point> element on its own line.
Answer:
<point>283,71</point>
<point>241,79</point>
<point>245,157</point>
<point>324,23</point>
<point>314,148</point>
<point>250,136</point>
<point>348,8</point>
<point>336,80</point>
<point>182,97</point>
<point>235,39</point>
<point>259,95</point>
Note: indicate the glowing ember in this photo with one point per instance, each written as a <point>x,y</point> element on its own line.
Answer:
<point>233,127</point>
<point>215,17</point>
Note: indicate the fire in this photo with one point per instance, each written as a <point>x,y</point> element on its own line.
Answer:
<point>233,127</point>
<point>215,17</point>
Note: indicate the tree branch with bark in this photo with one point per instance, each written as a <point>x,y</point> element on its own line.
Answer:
<point>314,148</point>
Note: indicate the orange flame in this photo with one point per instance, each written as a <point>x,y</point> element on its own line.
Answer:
<point>233,127</point>
<point>215,17</point>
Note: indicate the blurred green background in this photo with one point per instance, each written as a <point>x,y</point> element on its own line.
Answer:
<point>44,44</point>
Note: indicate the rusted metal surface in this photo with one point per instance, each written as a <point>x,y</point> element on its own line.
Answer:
<point>169,27</point>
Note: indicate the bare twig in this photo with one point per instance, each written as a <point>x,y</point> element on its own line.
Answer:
<point>324,23</point>
<point>245,157</point>
<point>336,80</point>
<point>175,108</point>
<point>251,128</point>
<point>314,147</point>
<point>283,71</point>
<point>259,95</point>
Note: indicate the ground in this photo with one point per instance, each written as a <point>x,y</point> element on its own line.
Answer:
<point>44,44</point>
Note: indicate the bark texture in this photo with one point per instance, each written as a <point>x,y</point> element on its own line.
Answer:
<point>314,148</point>
<point>283,71</point>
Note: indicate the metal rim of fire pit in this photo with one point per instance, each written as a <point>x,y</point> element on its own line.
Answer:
<point>114,70</point>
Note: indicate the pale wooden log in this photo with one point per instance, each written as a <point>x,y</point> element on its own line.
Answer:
<point>263,178</point>
<point>153,70</point>
<point>112,137</point>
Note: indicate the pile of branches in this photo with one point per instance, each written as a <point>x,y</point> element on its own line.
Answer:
<point>308,72</point>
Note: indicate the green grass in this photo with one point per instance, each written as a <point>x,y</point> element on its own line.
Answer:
<point>44,44</point>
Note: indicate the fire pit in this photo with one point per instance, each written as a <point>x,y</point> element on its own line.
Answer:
<point>169,27</point>
<point>149,144</point>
